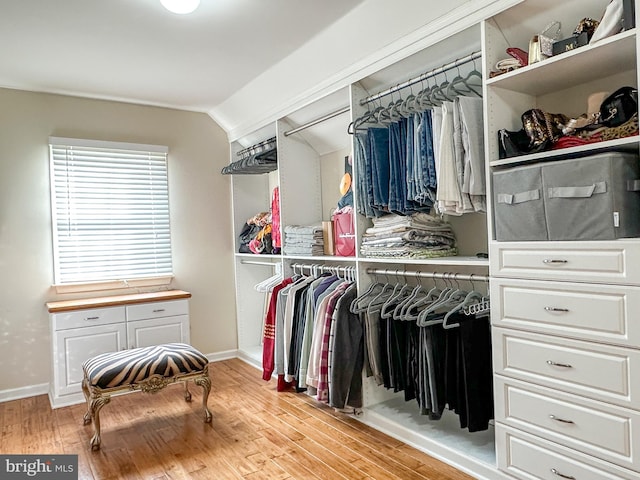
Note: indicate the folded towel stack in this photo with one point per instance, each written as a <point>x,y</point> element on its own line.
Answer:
<point>303,240</point>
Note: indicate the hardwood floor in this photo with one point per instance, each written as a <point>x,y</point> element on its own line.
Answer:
<point>256,433</point>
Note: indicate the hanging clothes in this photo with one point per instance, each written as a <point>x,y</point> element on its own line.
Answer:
<point>438,368</point>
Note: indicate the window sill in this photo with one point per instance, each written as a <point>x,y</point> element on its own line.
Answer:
<point>113,285</point>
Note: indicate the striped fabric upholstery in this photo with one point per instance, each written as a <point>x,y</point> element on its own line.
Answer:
<point>128,367</point>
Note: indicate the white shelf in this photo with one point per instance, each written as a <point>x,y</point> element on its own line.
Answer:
<point>627,144</point>
<point>320,258</point>
<point>464,261</point>
<point>612,55</point>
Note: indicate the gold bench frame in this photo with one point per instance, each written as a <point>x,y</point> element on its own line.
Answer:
<point>98,397</point>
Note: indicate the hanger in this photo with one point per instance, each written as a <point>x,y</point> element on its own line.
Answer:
<point>472,296</point>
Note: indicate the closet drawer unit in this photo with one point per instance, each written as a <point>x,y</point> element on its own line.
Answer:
<point>603,313</point>
<point>602,372</point>
<point>606,431</point>
<point>612,262</point>
<point>87,318</point>
<point>170,308</point>
<point>527,457</point>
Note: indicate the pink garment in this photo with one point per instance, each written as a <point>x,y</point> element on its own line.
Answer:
<point>276,238</point>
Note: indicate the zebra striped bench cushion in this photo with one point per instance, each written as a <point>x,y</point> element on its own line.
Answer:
<point>128,367</point>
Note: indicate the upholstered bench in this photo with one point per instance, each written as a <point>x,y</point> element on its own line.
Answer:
<point>148,369</point>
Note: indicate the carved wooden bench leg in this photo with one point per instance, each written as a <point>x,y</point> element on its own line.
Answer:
<point>96,403</point>
<point>87,394</point>
<point>187,393</point>
<point>205,382</point>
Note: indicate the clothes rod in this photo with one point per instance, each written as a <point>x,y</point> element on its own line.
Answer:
<point>318,120</point>
<point>422,77</point>
<point>256,262</point>
<point>445,276</point>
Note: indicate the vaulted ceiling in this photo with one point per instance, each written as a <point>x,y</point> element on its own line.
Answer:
<point>136,51</point>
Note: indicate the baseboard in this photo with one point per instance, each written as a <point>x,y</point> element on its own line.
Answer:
<point>219,356</point>
<point>23,392</point>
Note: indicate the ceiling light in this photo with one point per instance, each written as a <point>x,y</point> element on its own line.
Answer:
<point>180,6</point>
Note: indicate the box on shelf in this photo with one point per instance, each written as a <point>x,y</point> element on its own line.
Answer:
<point>589,198</point>
<point>570,43</point>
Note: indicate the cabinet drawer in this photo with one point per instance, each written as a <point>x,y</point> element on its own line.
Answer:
<point>601,262</point>
<point>87,318</point>
<point>604,313</point>
<point>604,430</point>
<point>602,372</point>
<point>526,457</point>
<point>171,308</point>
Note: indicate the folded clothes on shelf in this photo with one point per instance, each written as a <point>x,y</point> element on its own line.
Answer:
<point>416,236</point>
<point>303,240</point>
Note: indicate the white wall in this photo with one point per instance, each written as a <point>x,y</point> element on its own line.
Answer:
<point>200,218</point>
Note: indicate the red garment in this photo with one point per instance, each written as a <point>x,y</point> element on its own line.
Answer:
<point>276,239</point>
<point>269,334</point>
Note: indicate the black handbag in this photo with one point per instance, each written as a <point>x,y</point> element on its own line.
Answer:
<point>512,144</point>
<point>619,107</point>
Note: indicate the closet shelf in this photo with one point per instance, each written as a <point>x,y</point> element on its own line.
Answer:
<point>582,65</point>
<point>464,261</point>
<point>626,144</point>
<point>323,258</point>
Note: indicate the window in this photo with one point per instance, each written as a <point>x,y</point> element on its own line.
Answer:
<point>110,211</point>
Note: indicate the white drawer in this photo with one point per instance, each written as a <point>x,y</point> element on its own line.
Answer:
<point>604,313</point>
<point>170,308</point>
<point>601,262</point>
<point>87,318</point>
<point>602,372</point>
<point>528,457</point>
<point>606,431</point>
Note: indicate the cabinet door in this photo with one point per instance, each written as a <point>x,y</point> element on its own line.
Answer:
<point>74,346</point>
<point>144,333</point>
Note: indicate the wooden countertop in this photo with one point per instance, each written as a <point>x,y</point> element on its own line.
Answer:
<point>115,300</point>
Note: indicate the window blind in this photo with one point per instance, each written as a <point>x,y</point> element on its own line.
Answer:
<point>110,210</point>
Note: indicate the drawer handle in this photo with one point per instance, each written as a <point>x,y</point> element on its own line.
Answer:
<point>556,364</point>
<point>554,260</point>
<point>158,310</point>
<point>92,318</point>
<point>556,309</point>
<point>556,472</point>
<point>553,417</point>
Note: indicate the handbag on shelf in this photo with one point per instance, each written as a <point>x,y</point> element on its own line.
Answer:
<point>344,235</point>
<point>548,36</point>
<point>619,107</point>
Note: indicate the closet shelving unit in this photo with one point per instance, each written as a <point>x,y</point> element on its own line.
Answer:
<point>565,339</point>
<point>305,161</point>
<point>310,167</point>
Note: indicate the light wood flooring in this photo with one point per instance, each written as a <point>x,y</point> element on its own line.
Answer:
<point>256,433</point>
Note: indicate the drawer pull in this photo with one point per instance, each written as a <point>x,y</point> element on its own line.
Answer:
<point>556,472</point>
<point>556,364</point>
<point>553,417</point>
<point>92,318</point>
<point>554,261</point>
<point>158,310</point>
<point>556,309</point>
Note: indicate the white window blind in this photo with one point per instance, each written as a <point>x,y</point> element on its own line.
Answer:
<point>110,210</point>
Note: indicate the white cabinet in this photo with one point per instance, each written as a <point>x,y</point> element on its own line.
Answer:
<point>79,332</point>
<point>566,341</point>
<point>73,346</point>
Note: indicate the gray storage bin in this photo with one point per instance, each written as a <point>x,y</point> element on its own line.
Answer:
<point>592,198</point>
<point>589,198</point>
<point>519,204</point>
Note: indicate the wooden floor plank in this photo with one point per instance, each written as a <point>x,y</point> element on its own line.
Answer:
<point>256,433</point>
